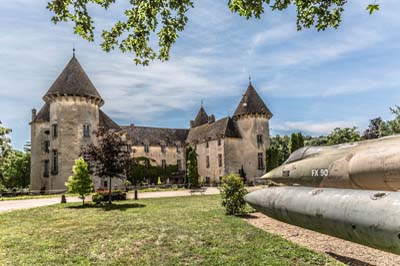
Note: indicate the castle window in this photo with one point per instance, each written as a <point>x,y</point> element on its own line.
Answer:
<point>54,166</point>
<point>208,161</point>
<point>146,148</point>
<point>259,140</point>
<point>207,145</point>
<point>220,160</point>
<point>219,142</point>
<point>46,146</point>
<point>178,148</point>
<point>105,183</point>
<point>260,161</point>
<point>46,168</point>
<point>163,164</point>
<point>86,131</point>
<point>54,129</point>
<point>163,148</point>
<point>179,163</point>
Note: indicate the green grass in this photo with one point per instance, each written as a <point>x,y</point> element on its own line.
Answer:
<point>173,231</point>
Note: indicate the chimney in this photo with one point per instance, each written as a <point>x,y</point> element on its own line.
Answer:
<point>33,114</point>
<point>211,119</point>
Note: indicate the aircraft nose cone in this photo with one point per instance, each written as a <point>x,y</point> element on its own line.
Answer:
<point>254,199</point>
<point>273,173</point>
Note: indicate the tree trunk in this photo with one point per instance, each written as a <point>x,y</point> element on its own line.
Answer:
<point>109,193</point>
<point>83,201</point>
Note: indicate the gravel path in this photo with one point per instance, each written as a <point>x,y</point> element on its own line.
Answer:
<point>342,250</point>
<point>9,205</point>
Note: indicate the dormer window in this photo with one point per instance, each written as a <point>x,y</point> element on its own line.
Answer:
<point>86,131</point>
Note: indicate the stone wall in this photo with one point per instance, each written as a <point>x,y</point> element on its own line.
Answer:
<point>245,151</point>
<point>214,172</point>
<point>38,155</point>
<point>70,114</point>
<point>171,156</point>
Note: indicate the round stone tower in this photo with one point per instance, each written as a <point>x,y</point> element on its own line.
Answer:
<point>74,114</point>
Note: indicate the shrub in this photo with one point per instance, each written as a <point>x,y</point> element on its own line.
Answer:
<point>232,192</point>
<point>115,195</point>
<point>97,198</point>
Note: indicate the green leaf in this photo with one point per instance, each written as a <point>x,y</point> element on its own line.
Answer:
<point>372,7</point>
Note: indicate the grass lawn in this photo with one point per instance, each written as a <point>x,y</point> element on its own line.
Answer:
<point>165,231</point>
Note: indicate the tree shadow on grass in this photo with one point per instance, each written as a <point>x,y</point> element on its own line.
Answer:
<point>108,207</point>
<point>348,260</point>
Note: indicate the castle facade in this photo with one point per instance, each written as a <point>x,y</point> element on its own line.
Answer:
<point>72,112</point>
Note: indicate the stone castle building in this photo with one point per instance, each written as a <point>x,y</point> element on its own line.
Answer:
<point>72,111</point>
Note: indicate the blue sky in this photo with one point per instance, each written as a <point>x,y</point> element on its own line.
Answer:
<point>311,81</point>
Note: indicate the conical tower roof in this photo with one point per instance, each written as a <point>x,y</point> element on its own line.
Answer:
<point>252,103</point>
<point>73,81</point>
<point>201,118</point>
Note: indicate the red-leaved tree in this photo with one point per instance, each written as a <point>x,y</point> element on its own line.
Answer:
<point>108,157</point>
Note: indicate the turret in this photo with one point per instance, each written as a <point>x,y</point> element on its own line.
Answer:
<point>201,118</point>
<point>33,114</point>
<point>72,114</point>
<point>252,119</point>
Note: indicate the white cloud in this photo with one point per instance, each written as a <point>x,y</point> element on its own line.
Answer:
<point>275,34</point>
<point>311,127</point>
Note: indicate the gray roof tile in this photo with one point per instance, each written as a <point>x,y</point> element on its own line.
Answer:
<point>224,127</point>
<point>252,103</point>
<point>73,81</point>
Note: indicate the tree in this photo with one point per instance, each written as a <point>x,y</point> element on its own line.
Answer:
<point>141,170</point>
<point>81,182</point>
<point>316,141</point>
<point>374,128</point>
<point>343,135</point>
<point>296,141</point>
<point>278,152</point>
<point>192,173</point>
<point>16,169</point>
<point>110,157</point>
<point>232,193</point>
<point>5,146</point>
<point>166,18</point>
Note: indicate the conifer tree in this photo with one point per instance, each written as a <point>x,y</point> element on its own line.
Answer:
<point>192,173</point>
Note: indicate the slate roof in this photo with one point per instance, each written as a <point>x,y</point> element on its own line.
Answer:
<point>224,127</point>
<point>73,81</point>
<point>201,118</point>
<point>106,122</point>
<point>252,103</point>
<point>155,136</point>
<point>44,114</point>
